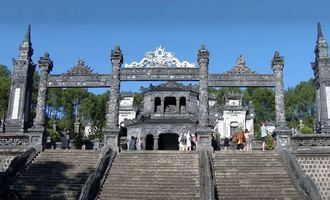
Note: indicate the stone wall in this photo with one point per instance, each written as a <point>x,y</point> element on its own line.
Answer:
<point>317,166</point>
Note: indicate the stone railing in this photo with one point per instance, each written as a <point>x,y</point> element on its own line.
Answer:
<point>9,140</point>
<point>95,181</point>
<point>207,182</point>
<point>16,166</point>
<point>310,140</point>
<point>303,183</point>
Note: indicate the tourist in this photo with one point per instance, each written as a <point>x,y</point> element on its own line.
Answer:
<point>196,140</point>
<point>240,139</point>
<point>247,136</point>
<point>226,143</point>
<point>138,143</point>
<point>142,146</point>
<point>217,140</point>
<point>193,142</point>
<point>132,144</point>
<point>213,142</point>
<point>183,142</point>
<point>124,145</point>
<point>180,142</point>
<point>188,138</point>
<point>263,134</point>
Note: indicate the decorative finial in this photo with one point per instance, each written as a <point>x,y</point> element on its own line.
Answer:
<point>45,63</point>
<point>278,59</point>
<point>203,53</point>
<point>28,34</point>
<point>116,54</point>
<point>240,61</point>
<point>319,31</point>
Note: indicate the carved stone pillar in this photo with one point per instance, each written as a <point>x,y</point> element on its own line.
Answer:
<point>19,102</point>
<point>112,130</point>
<point>116,60</point>
<point>203,61</point>
<point>177,107</point>
<point>321,67</point>
<point>203,130</point>
<point>45,65</point>
<point>283,134</point>
<point>155,143</point>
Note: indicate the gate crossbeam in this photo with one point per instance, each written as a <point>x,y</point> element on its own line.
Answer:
<point>79,81</point>
<point>241,80</point>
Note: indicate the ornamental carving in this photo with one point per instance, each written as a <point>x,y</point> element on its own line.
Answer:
<point>310,140</point>
<point>160,59</point>
<point>14,141</point>
<point>240,67</point>
<point>80,69</point>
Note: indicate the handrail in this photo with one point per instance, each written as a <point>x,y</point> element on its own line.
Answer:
<point>215,191</point>
<point>17,165</point>
<point>94,182</point>
<point>302,181</point>
<point>206,175</point>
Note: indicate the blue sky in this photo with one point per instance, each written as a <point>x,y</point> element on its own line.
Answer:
<point>88,29</point>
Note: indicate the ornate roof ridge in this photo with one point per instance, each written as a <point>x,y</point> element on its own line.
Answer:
<point>80,69</point>
<point>160,59</point>
<point>241,67</point>
<point>171,85</point>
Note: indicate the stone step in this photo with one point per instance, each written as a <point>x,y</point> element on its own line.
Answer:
<point>142,185</point>
<point>147,197</point>
<point>140,194</point>
<point>258,197</point>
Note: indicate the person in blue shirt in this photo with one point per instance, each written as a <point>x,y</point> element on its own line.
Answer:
<point>263,134</point>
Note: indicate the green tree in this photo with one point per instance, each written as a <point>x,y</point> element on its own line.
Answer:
<point>220,93</point>
<point>300,104</point>
<point>138,99</point>
<point>263,99</point>
<point>4,89</point>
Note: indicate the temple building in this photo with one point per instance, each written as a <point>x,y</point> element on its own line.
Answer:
<point>171,109</point>
<point>233,114</point>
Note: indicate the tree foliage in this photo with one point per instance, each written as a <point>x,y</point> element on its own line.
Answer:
<point>4,89</point>
<point>300,104</point>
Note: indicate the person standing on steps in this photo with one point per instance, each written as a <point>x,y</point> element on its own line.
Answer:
<point>263,134</point>
<point>182,142</point>
<point>240,139</point>
<point>247,136</point>
<point>188,138</point>
<point>132,144</point>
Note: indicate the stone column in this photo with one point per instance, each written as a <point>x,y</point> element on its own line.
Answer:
<point>203,131</point>
<point>177,105</point>
<point>112,130</point>
<point>162,106</point>
<point>283,134</point>
<point>203,61</point>
<point>45,65</point>
<point>156,143</point>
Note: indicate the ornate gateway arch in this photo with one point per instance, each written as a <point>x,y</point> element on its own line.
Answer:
<point>157,65</point>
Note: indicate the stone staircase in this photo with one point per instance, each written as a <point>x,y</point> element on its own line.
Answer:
<point>153,175</point>
<point>57,174</point>
<point>252,175</point>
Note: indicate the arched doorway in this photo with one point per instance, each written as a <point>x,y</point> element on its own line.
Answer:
<point>168,141</point>
<point>149,142</point>
<point>233,128</point>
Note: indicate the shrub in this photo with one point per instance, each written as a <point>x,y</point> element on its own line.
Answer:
<point>306,130</point>
<point>270,142</point>
<point>54,135</point>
